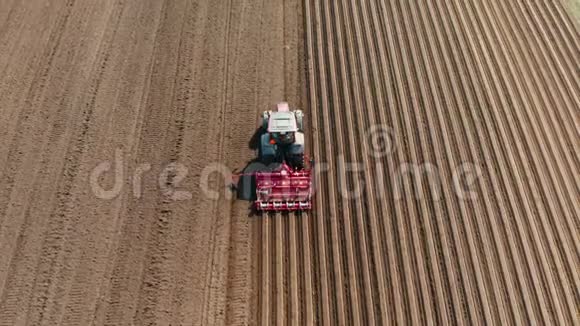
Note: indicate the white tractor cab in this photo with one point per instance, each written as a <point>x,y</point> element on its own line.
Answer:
<point>283,141</point>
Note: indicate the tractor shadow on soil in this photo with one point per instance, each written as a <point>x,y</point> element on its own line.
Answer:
<point>245,187</point>
<point>254,143</point>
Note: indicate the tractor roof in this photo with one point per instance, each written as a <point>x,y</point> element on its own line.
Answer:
<point>282,122</point>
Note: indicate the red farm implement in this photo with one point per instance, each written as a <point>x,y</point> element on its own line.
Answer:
<point>285,189</point>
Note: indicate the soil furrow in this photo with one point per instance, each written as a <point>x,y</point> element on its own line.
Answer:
<point>555,32</point>
<point>453,95</point>
<point>548,157</point>
<point>507,124</point>
<point>480,247</point>
<point>354,97</point>
<point>335,253</point>
<point>491,268</point>
<point>320,234</point>
<point>443,135</point>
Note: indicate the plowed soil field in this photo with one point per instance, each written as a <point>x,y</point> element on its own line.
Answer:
<point>445,135</point>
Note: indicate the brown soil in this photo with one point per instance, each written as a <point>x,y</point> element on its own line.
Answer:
<point>160,82</point>
<point>492,84</point>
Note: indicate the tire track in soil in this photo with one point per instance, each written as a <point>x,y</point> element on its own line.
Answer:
<point>213,309</point>
<point>58,137</point>
<point>248,83</point>
<point>23,44</point>
<point>13,158</point>
<point>111,302</point>
<point>26,117</point>
<point>164,240</point>
<point>53,270</point>
<point>117,124</point>
<point>147,83</point>
<point>161,299</point>
<point>284,295</point>
<point>115,103</point>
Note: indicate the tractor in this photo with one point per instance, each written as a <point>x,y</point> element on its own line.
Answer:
<point>288,187</point>
<point>283,139</point>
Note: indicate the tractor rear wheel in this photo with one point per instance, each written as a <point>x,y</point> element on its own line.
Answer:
<point>297,162</point>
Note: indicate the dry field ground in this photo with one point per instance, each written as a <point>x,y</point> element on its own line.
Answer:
<point>462,117</point>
